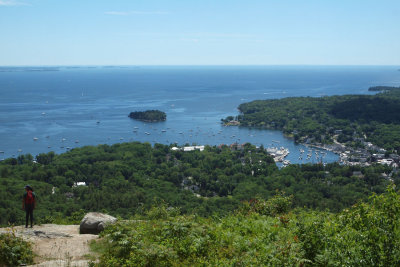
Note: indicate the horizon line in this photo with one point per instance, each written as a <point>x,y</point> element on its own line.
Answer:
<point>200,65</point>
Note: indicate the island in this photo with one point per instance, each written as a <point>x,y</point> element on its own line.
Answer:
<point>362,128</point>
<point>383,88</point>
<point>148,115</point>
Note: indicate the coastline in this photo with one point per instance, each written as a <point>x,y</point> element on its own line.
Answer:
<point>71,115</point>
<point>347,155</point>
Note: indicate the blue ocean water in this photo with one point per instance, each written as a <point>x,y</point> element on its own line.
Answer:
<point>57,109</point>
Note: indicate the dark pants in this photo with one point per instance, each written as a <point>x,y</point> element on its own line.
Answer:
<point>29,213</point>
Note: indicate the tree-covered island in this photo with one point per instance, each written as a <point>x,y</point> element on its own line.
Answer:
<point>148,115</point>
<point>365,123</point>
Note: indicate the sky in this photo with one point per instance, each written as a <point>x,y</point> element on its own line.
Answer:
<point>199,32</point>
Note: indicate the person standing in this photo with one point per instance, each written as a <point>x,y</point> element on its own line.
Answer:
<point>29,204</point>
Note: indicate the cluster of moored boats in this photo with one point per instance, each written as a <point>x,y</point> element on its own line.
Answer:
<point>319,155</point>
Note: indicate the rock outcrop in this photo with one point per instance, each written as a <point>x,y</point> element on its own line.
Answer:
<point>56,245</point>
<point>95,222</point>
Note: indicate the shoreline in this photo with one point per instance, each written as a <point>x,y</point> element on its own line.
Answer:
<point>347,155</point>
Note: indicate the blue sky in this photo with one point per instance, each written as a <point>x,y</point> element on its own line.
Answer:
<point>201,32</point>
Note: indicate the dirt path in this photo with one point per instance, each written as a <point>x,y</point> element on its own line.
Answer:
<point>56,245</point>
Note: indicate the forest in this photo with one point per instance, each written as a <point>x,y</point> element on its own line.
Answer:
<point>148,115</point>
<point>128,179</point>
<point>372,118</point>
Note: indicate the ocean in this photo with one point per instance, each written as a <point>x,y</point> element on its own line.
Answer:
<point>56,109</point>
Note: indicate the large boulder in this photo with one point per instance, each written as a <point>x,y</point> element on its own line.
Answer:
<point>95,222</point>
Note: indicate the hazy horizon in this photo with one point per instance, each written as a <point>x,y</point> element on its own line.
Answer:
<point>200,65</point>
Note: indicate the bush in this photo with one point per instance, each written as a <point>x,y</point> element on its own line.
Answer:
<point>367,234</point>
<point>14,251</point>
<point>75,218</point>
<point>277,205</point>
<point>168,239</point>
<point>261,233</point>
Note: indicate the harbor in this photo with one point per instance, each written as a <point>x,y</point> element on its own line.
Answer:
<point>193,103</point>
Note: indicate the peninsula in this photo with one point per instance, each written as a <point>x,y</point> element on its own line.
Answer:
<point>148,115</point>
<point>364,128</point>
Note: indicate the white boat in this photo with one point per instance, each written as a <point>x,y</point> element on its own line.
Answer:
<point>35,138</point>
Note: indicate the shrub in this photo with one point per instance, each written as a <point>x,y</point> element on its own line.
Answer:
<point>261,233</point>
<point>277,205</point>
<point>180,240</point>
<point>367,234</point>
<point>14,251</point>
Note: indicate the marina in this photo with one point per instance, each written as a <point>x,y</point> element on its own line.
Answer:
<point>279,154</point>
